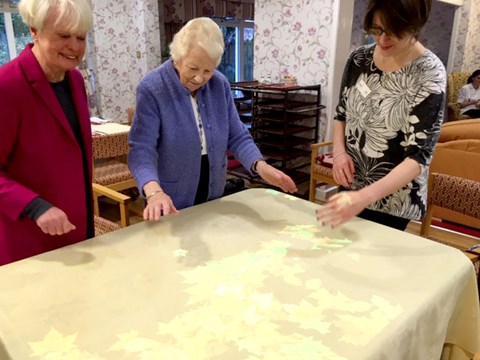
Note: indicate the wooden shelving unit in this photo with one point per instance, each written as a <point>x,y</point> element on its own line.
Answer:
<point>284,122</point>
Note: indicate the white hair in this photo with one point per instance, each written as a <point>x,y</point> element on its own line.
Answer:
<point>202,32</point>
<point>76,13</point>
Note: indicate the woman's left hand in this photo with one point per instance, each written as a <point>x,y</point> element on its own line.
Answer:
<point>276,177</point>
<point>340,208</point>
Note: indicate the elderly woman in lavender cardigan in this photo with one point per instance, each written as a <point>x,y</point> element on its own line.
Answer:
<point>185,121</point>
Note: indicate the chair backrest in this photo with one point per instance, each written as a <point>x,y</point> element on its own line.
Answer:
<point>460,130</point>
<point>108,146</point>
<point>457,158</point>
<point>454,82</point>
<point>455,193</point>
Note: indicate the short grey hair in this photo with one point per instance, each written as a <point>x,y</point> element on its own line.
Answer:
<point>202,32</point>
<point>77,13</point>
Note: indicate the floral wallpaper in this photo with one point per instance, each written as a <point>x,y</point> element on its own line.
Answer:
<point>126,45</point>
<point>462,30</point>
<point>359,37</point>
<point>436,31</point>
<point>293,37</point>
<point>471,58</point>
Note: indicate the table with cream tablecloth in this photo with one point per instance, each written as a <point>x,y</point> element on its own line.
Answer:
<point>248,276</point>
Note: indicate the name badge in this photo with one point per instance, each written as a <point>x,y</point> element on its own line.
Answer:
<point>363,88</point>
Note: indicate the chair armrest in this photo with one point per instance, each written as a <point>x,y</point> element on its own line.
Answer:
<point>123,201</point>
<point>319,145</point>
<point>111,194</point>
<point>315,148</point>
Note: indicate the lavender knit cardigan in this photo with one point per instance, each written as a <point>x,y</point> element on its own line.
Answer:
<point>165,141</point>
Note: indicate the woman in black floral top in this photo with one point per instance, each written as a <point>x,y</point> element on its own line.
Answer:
<point>388,120</point>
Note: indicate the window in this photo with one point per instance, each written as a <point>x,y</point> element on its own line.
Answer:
<point>14,34</point>
<point>237,60</point>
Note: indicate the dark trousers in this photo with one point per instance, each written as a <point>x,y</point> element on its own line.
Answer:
<point>384,219</point>
<point>473,113</point>
<point>202,189</point>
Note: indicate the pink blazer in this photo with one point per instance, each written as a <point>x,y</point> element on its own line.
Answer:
<point>39,156</point>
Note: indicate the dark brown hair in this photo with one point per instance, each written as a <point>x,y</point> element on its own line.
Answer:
<point>474,75</point>
<point>399,17</point>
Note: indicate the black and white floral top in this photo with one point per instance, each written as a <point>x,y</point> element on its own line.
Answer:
<point>389,117</point>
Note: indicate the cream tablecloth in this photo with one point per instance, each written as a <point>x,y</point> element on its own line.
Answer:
<point>249,276</point>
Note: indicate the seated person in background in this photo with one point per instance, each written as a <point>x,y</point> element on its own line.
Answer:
<point>185,121</point>
<point>469,96</point>
<point>46,143</point>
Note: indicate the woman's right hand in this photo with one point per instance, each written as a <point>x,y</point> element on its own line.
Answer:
<point>343,169</point>
<point>158,205</point>
<point>55,222</point>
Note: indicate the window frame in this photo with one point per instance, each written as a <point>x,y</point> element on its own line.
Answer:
<point>240,26</point>
<point>8,9</point>
<point>12,50</point>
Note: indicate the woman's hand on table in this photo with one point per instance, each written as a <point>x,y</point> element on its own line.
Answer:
<point>340,208</point>
<point>276,177</point>
<point>55,222</point>
<point>158,204</point>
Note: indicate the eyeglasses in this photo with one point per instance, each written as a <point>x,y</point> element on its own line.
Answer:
<point>377,31</point>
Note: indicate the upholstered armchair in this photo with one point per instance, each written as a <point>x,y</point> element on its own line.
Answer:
<point>110,172</point>
<point>455,81</point>
<point>457,195</point>
<point>110,168</point>
<point>458,154</point>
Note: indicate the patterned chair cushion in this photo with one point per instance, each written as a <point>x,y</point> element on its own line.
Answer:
<point>103,226</point>
<point>110,171</point>
<point>457,194</point>
<point>323,170</point>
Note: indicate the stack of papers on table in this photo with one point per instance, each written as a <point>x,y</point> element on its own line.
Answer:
<point>97,120</point>
<point>110,128</point>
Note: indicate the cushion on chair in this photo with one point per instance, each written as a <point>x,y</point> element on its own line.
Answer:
<point>323,170</point>
<point>109,171</point>
<point>103,226</point>
<point>325,159</point>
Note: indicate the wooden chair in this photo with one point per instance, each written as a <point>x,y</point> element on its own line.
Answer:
<point>319,173</point>
<point>454,82</point>
<point>110,164</point>
<point>110,172</point>
<point>457,195</point>
<point>458,158</point>
<point>102,225</point>
<point>123,201</point>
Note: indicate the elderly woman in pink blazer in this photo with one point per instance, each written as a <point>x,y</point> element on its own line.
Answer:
<point>45,147</point>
